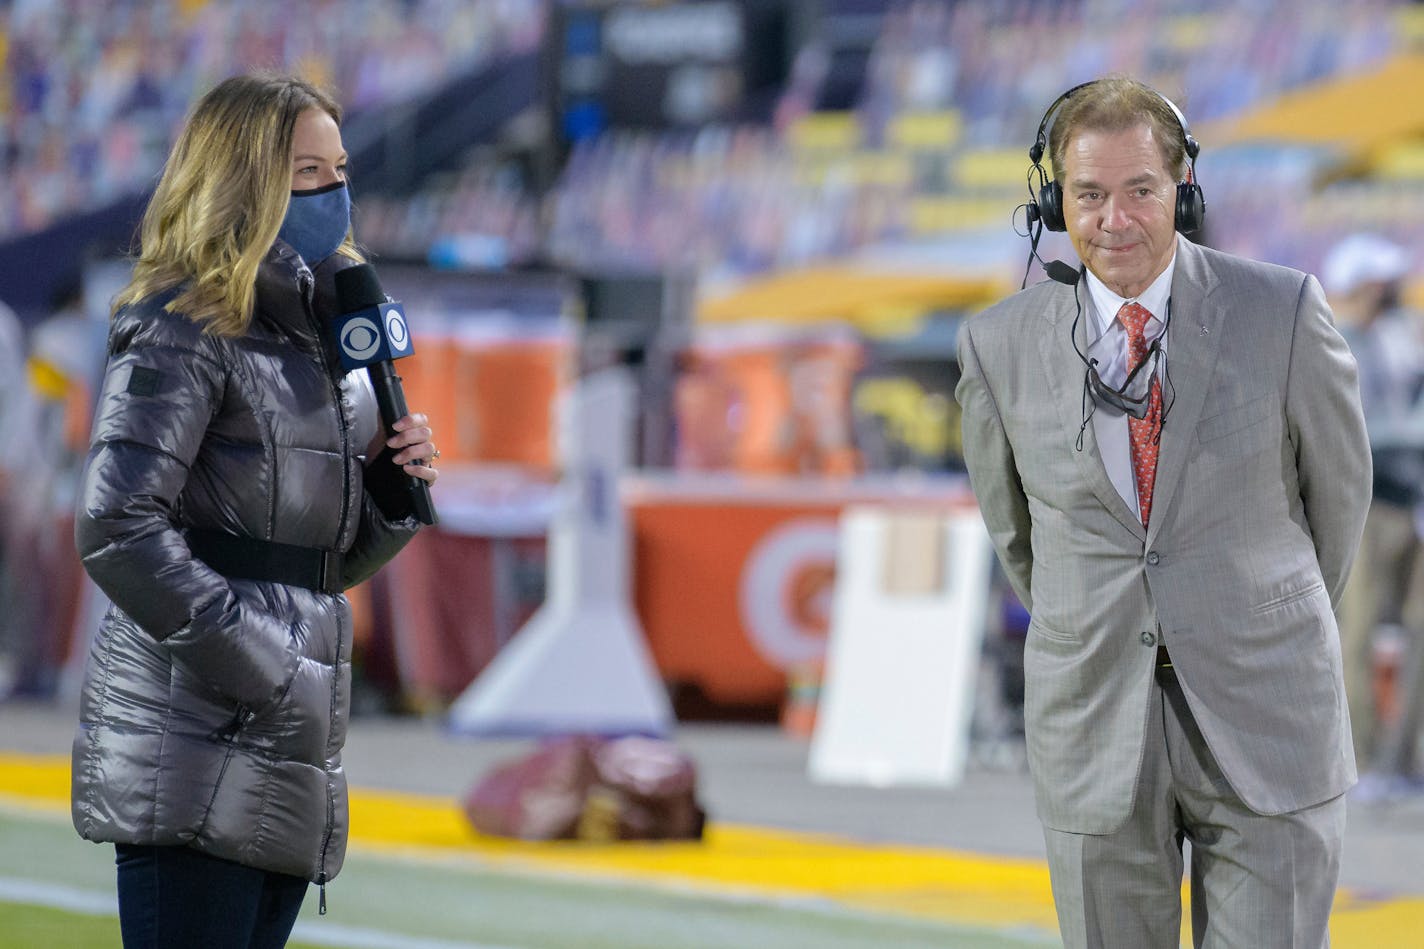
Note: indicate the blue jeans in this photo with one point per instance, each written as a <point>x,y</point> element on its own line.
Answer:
<point>178,898</point>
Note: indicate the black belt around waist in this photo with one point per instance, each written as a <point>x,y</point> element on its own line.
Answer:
<point>247,558</point>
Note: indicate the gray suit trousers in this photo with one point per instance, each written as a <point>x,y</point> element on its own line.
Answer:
<point>1256,882</point>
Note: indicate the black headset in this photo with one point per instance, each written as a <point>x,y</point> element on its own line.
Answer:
<point>1048,207</point>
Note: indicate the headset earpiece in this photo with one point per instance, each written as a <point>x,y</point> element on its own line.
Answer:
<point>1050,207</point>
<point>1047,204</point>
<point>1191,207</point>
<point>1191,203</point>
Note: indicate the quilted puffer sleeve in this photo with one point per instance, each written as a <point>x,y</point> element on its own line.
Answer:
<point>379,538</point>
<point>387,516</point>
<point>163,385</point>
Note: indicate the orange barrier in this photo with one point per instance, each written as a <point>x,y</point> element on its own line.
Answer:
<point>490,391</point>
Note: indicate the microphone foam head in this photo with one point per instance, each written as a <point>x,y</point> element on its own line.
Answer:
<point>358,288</point>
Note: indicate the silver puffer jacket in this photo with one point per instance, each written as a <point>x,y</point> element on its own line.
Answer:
<point>214,710</point>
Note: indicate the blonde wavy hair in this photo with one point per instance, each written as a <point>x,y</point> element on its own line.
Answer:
<point>221,201</point>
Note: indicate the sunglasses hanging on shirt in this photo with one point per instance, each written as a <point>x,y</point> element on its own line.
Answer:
<point>1121,398</point>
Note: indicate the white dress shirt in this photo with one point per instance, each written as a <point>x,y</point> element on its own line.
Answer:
<point>1108,345</point>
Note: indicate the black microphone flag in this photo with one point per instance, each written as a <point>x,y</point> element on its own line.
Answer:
<point>370,328</point>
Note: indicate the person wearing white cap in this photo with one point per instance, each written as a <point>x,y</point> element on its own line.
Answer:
<point>1364,276</point>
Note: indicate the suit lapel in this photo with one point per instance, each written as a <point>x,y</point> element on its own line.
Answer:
<point>1063,370</point>
<point>1193,342</point>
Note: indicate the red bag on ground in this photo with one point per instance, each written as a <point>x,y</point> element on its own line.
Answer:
<point>589,788</point>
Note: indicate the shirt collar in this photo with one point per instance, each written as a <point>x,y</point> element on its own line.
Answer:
<point>1106,303</point>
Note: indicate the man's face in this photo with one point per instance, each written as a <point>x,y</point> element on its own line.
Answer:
<point>1119,202</point>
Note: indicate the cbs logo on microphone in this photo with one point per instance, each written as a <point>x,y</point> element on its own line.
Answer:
<point>376,334</point>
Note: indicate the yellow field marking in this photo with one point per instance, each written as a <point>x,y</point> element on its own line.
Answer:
<point>926,883</point>
<point>967,889</point>
<point>40,782</point>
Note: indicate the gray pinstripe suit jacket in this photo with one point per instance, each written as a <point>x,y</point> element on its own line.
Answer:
<point>1260,498</point>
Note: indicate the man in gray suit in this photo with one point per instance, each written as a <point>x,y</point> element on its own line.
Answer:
<point>1179,535</point>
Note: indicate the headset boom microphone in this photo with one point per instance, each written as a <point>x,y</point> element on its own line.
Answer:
<point>371,332</point>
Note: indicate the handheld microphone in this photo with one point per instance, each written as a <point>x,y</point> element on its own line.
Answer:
<point>371,331</point>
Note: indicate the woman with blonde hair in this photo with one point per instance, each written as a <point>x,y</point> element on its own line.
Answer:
<point>237,482</point>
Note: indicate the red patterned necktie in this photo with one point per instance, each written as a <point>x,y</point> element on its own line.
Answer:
<point>1142,432</point>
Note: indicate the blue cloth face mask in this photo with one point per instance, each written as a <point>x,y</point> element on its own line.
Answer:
<point>317,221</point>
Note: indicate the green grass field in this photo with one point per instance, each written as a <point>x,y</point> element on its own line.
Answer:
<point>24,925</point>
<point>32,926</point>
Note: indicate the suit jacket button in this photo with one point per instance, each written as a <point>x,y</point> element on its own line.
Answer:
<point>1153,559</point>
<point>1149,639</point>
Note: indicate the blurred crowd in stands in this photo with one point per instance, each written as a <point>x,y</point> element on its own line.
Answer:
<point>808,188</point>
<point>93,90</point>
<point>1001,63</point>
<point>482,217</point>
<point>935,145</point>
